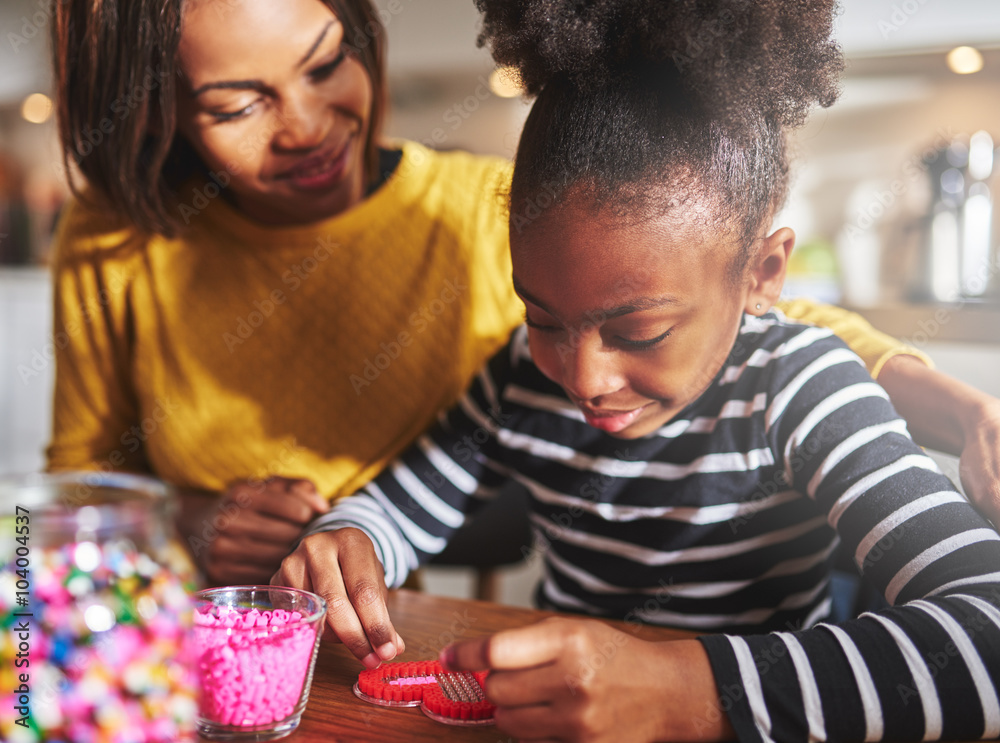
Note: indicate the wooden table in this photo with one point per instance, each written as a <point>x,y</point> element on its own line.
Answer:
<point>426,623</point>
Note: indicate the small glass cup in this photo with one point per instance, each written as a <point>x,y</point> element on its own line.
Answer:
<point>255,648</point>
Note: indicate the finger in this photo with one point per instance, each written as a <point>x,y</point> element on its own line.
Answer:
<point>292,573</point>
<point>260,494</point>
<point>306,490</point>
<point>290,500</point>
<point>525,647</point>
<point>323,555</point>
<point>524,687</point>
<point>365,585</point>
<point>984,496</point>
<point>287,507</point>
<point>258,527</point>
<point>531,723</point>
<point>246,493</point>
<point>241,551</point>
<point>343,620</point>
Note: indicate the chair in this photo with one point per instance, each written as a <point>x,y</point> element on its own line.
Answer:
<point>499,535</point>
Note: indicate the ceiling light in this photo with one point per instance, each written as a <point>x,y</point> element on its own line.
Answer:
<point>504,82</point>
<point>36,108</point>
<point>964,60</point>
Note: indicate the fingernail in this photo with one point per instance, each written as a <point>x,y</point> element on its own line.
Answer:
<point>371,661</point>
<point>447,657</point>
<point>387,651</point>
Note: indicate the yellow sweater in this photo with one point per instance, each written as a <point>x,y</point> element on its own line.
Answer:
<point>240,351</point>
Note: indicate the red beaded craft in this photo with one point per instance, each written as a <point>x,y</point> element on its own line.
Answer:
<point>454,698</point>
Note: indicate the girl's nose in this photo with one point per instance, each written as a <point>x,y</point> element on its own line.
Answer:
<point>590,371</point>
<point>302,125</point>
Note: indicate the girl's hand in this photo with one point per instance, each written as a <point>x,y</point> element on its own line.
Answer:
<point>341,566</point>
<point>242,536</point>
<point>583,680</point>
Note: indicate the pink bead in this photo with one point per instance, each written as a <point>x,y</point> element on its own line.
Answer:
<point>252,675</point>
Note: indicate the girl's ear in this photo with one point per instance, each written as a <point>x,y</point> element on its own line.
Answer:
<point>767,274</point>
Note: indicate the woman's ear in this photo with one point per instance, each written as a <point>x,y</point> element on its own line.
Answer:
<point>767,273</point>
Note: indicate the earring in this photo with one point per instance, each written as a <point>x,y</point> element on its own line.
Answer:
<point>758,305</point>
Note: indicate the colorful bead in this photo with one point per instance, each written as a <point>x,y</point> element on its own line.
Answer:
<point>109,651</point>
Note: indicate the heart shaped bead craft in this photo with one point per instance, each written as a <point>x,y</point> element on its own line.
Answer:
<point>451,697</point>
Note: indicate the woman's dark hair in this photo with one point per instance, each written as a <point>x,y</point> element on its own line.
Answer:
<point>639,101</point>
<point>115,65</point>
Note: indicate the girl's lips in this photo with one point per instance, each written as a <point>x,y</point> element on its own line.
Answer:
<point>612,422</point>
<point>320,172</point>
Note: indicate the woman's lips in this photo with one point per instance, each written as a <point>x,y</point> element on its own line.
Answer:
<point>319,172</point>
<point>611,421</point>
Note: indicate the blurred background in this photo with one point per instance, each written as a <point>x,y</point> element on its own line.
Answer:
<point>892,199</point>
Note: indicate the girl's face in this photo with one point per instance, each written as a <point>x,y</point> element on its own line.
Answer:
<point>632,321</point>
<point>271,99</point>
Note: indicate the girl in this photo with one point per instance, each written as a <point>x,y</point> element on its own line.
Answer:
<point>258,298</point>
<point>693,458</point>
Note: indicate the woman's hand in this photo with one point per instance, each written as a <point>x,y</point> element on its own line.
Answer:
<point>242,536</point>
<point>341,566</point>
<point>582,680</point>
<point>951,416</point>
<point>979,464</point>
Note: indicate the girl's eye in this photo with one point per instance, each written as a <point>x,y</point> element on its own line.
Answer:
<point>325,70</point>
<point>233,115</point>
<point>644,344</point>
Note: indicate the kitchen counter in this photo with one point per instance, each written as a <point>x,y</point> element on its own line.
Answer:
<point>920,324</point>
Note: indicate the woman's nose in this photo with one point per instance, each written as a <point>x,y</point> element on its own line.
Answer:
<point>302,124</point>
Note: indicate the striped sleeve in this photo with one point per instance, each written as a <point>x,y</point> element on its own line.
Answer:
<point>412,508</point>
<point>925,668</point>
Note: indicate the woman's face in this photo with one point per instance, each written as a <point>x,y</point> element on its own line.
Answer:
<point>633,321</point>
<point>271,98</point>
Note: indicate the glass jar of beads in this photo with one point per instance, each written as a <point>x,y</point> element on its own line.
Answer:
<point>95,612</point>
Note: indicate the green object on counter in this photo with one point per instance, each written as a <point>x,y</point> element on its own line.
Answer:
<point>813,258</point>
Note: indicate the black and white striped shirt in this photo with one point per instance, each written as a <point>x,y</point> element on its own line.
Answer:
<point>726,520</point>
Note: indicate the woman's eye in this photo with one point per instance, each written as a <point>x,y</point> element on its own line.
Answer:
<point>643,344</point>
<point>540,326</point>
<point>233,115</point>
<point>325,70</point>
